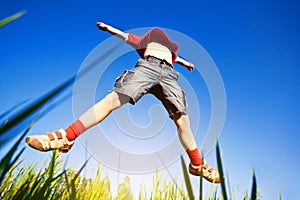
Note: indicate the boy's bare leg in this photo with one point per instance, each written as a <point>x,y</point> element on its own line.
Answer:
<point>185,133</point>
<point>102,109</point>
<point>197,166</point>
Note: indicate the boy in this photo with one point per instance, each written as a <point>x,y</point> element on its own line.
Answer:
<point>153,73</point>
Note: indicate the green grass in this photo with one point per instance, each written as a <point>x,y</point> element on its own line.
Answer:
<point>53,181</point>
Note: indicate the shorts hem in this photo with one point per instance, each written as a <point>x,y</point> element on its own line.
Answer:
<point>131,99</point>
<point>177,112</point>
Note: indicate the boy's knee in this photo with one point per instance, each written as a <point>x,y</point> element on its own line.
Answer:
<point>181,121</point>
<point>113,100</point>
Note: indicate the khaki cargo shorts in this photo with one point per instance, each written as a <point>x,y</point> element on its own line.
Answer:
<point>153,78</point>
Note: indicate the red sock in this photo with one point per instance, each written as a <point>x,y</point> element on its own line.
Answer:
<point>195,157</point>
<point>75,129</point>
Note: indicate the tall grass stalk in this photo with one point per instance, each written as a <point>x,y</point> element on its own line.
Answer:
<point>279,196</point>
<point>12,18</point>
<point>254,187</point>
<point>7,160</point>
<point>220,169</point>
<point>34,107</point>
<point>11,109</point>
<point>201,186</point>
<point>187,179</point>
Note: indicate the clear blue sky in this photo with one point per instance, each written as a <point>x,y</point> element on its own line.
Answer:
<point>255,45</point>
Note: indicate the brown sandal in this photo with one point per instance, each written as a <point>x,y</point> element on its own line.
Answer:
<point>206,171</point>
<point>50,141</point>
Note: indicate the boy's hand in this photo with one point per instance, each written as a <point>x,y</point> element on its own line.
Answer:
<point>190,67</point>
<point>102,26</point>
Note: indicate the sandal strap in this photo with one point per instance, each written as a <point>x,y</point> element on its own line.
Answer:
<point>56,135</point>
<point>51,136</point>
<point>207,167</point>
<point>43,142</point>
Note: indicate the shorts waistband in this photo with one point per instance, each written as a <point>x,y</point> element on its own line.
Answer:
<point>158,61</point>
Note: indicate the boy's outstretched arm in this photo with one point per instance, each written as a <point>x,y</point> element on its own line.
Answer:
<point>185,63</point>
<point>104,27</point>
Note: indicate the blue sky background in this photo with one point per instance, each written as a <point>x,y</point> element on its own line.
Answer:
<point>255,45</point>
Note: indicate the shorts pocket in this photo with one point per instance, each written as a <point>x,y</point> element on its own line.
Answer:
<point>174,75</point>
<point>184,99</point>
<point>123,78</point>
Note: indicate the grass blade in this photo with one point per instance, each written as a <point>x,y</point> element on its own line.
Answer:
<point>8,111</point>
<point>34,107</point>
<point>229,186</point>
<point>279,196</point>
<point>5,163</point>
<point>220,169</point>
<point>254,188</point>
<point>8,167</point>
<point>201,184</point>
<point>45,189</point>
<point>201,188</point>
<point>187,179</point>
<point>73,181</point>
<point>11,18</point>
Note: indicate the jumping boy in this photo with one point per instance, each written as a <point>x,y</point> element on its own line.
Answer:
<point>153,73</point>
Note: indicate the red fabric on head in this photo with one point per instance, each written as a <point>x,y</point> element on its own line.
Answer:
<point>195,157</point>
<point>159,36</point>
<point>154,35</point>
<point>75,129</point>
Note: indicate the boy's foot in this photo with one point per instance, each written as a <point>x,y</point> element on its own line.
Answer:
<point>50,141</point>
<point>207,172</point>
